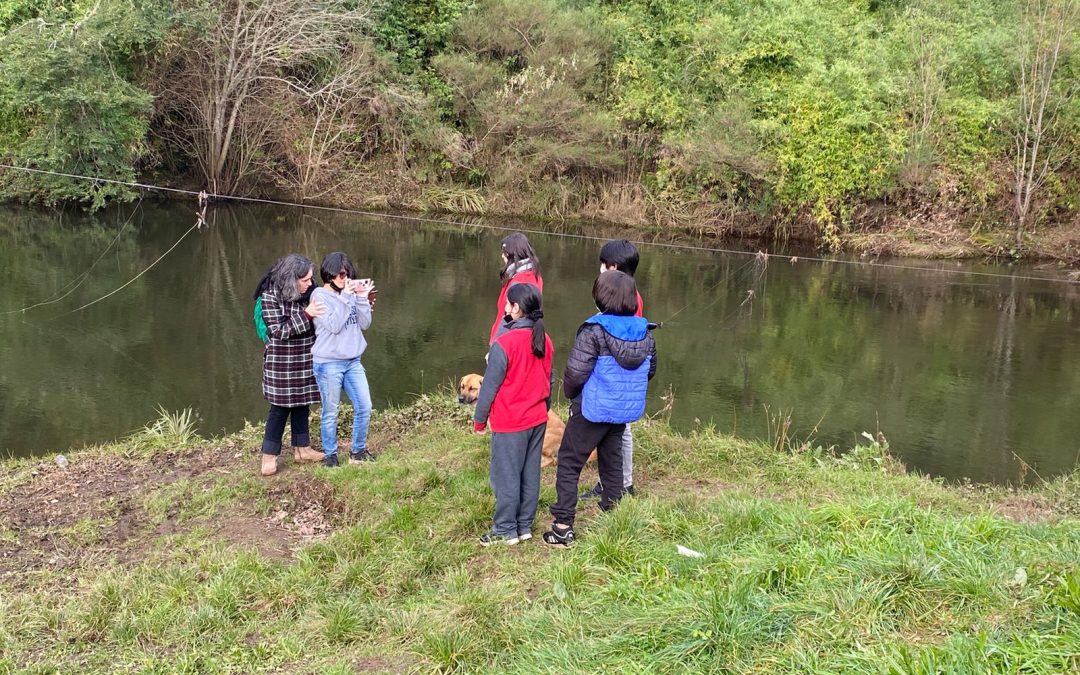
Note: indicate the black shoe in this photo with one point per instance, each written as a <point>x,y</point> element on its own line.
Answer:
<point>557,536</point>
<point>630,491</point>
<point>594,493</point>
<point>330,461</point>
<point>361,457</point>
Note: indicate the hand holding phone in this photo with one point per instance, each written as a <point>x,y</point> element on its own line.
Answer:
<point>364,287</point>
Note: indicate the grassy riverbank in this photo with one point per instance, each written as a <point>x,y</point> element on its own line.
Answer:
<point>166,553</point>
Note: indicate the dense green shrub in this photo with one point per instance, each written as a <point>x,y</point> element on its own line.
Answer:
<point>69,98</point>
<point>775,109</point>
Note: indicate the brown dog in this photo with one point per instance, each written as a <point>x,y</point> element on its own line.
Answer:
<point>469,391</point>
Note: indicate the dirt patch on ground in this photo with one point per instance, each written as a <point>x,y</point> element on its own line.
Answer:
<point>95,509</point>
<point>1025,509</point>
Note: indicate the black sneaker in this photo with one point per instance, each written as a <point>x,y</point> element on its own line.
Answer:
<point>559,537</point>
<point>489,538</point>
<point>630,491</point>
<point>594,493</point>
<point>330,461</point>
<point>361,457</point>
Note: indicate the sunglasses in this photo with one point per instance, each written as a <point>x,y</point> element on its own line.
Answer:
<point>343,274</point>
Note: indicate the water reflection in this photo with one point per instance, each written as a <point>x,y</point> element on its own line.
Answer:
<point>960,372</point>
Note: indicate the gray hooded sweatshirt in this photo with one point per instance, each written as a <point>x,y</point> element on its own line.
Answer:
<point>339,334</point>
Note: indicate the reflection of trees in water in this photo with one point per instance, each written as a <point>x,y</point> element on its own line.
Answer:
<point>956,374</point>
<point>63,373</point>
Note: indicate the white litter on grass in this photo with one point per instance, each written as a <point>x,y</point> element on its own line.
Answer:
<point>688,552</point>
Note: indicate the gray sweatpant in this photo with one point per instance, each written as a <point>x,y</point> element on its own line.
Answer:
<point>627,458</point>
<point>515,478</point>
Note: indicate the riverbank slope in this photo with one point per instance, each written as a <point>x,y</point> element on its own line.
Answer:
<point>167,552</point>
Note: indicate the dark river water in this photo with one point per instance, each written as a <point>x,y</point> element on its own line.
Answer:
<point>962,373</point>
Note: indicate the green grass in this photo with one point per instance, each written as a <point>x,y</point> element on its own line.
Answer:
<point>812,563</point>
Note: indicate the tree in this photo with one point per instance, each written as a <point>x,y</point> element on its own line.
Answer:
<point>1040,138</point>
<point>333,120</point>
<point>219,85</point>
<point>69,102</point>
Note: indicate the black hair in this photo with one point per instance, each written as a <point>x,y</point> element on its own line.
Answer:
<point>615,293</point>
<point>334,263</point>
<point>516,246</point>
<point>531,302</point>
<point>263,285</point>
<point>622,254</point>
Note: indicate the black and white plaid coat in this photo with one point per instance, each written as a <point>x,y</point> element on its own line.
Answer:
<point>288,380</point>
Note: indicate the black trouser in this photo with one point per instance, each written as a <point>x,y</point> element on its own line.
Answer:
<point>579,439</point>
<point>275,428</point>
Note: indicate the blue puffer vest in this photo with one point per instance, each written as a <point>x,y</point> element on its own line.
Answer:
<point>614,392</point>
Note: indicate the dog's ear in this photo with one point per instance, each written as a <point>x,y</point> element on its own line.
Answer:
<point>461,382</point>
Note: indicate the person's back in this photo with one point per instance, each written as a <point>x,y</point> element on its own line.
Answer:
<point>515,397</point>
<point>621,255</point>
<point>614,390</point>
<point>524,396</point>
<point>606,379</point>
<point>520,266</point>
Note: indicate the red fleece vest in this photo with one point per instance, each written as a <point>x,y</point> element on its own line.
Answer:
<point>521,402</point>
<point>526,277</point>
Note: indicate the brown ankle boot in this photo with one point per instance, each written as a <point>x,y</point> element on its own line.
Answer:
<point>269,465</point>
<point>306,454</point>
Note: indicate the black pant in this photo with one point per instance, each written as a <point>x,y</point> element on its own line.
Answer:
<point>579,439</point>
<point>275,428</point>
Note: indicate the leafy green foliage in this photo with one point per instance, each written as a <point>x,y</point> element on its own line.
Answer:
<point>68,101</point>
<point>525,81</point>
<point>774,109</point>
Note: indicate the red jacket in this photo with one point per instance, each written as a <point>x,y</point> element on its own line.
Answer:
<point>640,306</point>
<point>516,393</point>
<point>526,277</point>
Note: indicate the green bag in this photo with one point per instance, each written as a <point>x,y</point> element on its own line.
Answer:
<point>260,325</point>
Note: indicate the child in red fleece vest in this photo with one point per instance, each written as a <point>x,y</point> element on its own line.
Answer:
<point>520,266</point>
<point>515,398</point>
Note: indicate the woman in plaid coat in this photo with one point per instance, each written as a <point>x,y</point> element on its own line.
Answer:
<point>288,380</point>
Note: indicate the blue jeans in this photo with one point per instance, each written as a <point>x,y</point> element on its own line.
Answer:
<point>332,377</point>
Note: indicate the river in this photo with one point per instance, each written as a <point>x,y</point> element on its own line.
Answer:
<point>963,373</point>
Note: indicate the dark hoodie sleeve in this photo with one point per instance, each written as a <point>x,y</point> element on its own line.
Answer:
<point>652,353</point>
<point>493,380</point>
<point>582,360</point>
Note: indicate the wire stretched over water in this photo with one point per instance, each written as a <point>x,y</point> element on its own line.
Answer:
<point>79,280</point>
<point>585,237</point>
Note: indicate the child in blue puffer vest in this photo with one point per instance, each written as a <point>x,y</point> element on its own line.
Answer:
<point>606,378</point>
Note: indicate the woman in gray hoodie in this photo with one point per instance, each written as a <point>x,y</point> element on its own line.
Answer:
<point>339,343</point>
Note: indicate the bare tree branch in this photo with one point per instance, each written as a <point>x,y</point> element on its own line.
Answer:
<point>1038,140</point>
<point>250,49</point>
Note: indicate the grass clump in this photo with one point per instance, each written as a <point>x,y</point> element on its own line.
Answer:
<point>808,563</point>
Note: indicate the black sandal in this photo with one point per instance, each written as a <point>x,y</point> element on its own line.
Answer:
<point>553,538</point>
